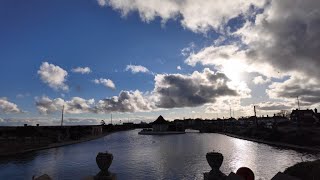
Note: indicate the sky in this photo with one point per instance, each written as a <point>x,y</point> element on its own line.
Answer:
<point>137,59</point>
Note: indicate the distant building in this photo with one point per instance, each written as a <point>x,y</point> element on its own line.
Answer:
<point>160,125</point>
<point>305,116</point>
<point>163,127</point>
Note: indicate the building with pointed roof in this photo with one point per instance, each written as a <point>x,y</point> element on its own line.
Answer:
<point>160,125</point>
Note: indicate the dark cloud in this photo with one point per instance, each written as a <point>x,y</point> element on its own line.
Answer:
<point>171,91</point>
<point>286,36</point>
<point>307,89</point>
<point>176,90</point>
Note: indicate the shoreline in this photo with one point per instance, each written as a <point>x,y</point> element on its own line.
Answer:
<point>54,145</point>
<point>272,143</point>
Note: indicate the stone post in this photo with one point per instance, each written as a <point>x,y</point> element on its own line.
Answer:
<point>104,161</point>
<point>215,160</point>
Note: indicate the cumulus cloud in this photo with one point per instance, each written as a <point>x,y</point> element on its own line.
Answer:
<point>199,88</point>
<point>280,42</point>
<point>81,70</point>
<point>170,91</point>
<point>261,80</point>
<point>106,82</point>
<point>45,105</point>
<point>76,105</point>
<point>306,88</point>
<point>275,106</point>
<point>179,67</point>
<point>7,107</point>
<point>126,101</point>
<point>137,69</point>
<point>286,36</point>
<point>223,105</point>
<point>54,76</point>
<point>199,16</point>
<point>231,58</point>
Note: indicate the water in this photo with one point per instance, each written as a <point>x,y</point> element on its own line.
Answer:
<point>153,157</point>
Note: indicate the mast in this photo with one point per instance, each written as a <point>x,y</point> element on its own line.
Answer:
<point>62,113</point>
<point>111,119</point>
<point>298,102</point>
<point>255,115</point>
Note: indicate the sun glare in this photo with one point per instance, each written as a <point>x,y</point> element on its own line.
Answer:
<point>234,70</point>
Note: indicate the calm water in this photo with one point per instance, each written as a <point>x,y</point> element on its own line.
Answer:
<point>153,157</point>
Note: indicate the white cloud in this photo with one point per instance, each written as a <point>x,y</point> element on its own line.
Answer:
<point>198,16</point>
<point>170,91</point>
<point>137,69</point>
<point>285,36</point>
<point>232,60</point>
<point>275,106</point>
<point>45,105</point>
<point>22,95</point>
<point>76,105</point>
<point>280,42</point>
<point>188,50</point>
<point>261,80</point>
<point>179,67</point>
<point>82,70</point>
<point>106,82</point>
<point>126,101</point>
<point>54,76</point>
<point>7,107</point>
<point>101,2</point>
<point>306,88</point>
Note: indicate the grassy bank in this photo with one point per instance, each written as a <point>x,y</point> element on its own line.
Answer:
<point>11,151</point>
<point>285,136</point>
<point>17,140</point>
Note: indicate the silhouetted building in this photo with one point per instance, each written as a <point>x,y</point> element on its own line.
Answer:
<point>160,124</point>
<point>305,116</point>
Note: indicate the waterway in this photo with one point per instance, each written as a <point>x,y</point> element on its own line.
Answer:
<point>153,157</point>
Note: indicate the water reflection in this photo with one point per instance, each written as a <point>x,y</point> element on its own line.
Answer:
<point>152,157</point>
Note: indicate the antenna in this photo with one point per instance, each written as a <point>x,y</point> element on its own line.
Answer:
<point>111,118</point>
<point>298,102</point>
<point>230,112</point>
<point>255,116</point>
<point>62,115</point>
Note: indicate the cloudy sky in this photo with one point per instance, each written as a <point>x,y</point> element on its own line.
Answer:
<point>137,59</point>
